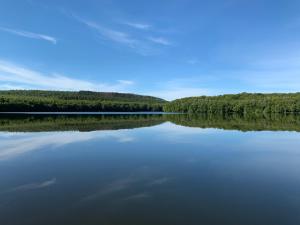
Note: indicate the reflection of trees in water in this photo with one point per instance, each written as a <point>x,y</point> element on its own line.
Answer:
<point>37,123</point>
<point>248,122</point>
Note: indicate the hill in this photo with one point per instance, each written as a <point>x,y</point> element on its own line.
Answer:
<point>243,103</point>
<point>66,101</point>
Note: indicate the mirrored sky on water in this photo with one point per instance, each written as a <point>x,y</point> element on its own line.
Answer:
<point>164,174</point>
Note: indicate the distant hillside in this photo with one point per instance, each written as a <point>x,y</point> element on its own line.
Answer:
<point>87,101</point>
<point>237,103</point>
<point>59,101</point>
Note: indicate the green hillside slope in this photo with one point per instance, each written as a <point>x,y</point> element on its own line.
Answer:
<point>237,103</point>
<point>64,101</point>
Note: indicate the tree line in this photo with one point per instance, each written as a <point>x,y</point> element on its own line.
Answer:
<point>243,103</point>
<point>83,101</point>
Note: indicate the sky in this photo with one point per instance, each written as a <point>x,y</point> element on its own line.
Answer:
<point>165,48</point>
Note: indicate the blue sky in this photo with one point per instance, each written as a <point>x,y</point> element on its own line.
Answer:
<point>165,48</point>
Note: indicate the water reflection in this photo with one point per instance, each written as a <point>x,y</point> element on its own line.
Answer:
<point>33,186</point>
<point>40,123</point>
<point>252,122</point>
<point>20,143</point>
<point>170,169</point>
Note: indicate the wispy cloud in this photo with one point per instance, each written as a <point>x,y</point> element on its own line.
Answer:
<point>110,34</point>
<point>31,35</point>
<point>160,40</point>
<point>135,41</point>
<point>140,26</point>
<point>137,197</point>
<point>34,186</point>
<point>116,186</point>
<point>18,77</point>
<point>119,37</point>
<point>22,143</point>
<point>160,181</point>
<point>143,180</point>
<point>129,82</point>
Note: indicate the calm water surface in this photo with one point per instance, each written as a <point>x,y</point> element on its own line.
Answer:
<point>149,169</point>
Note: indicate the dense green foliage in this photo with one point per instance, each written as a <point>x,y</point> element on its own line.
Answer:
<point>84,101</point>
<point>243,103</point>
<point>63,101</point>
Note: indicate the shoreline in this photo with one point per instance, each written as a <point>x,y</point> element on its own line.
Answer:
<point>89,113</point>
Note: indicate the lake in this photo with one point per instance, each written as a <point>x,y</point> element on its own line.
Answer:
<point>149,170</point>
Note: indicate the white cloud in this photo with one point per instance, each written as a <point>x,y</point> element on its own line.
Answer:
<point>129,82</point>
<point>19,77</point>
<point>13,87</point>
<point>141,26</point>
<point>116,186</point>
<point>31,35</point>
<point>34,186</point>
<point>134,41</point>
<point>160,40</point>
<point>136,197</point>
<point>110,34</point>
<point>21,143</point>
<point>160,181</point>
<point>120,37</point>
<point>126,139</point>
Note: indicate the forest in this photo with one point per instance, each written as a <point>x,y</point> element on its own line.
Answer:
<point>82,101</point>
<point>244,103</point>
<point>87,101</point>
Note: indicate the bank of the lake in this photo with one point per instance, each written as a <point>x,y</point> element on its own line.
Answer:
<point>88,102</point>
